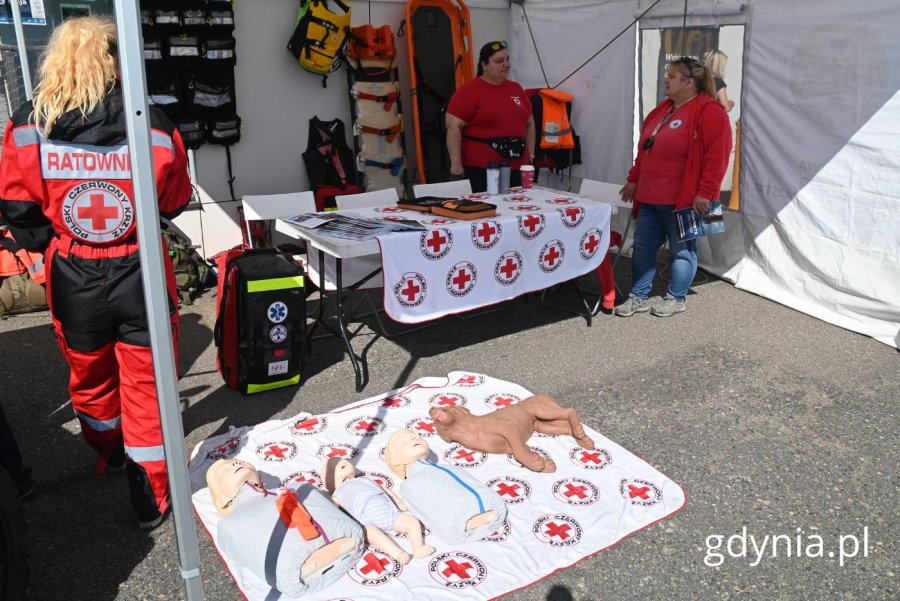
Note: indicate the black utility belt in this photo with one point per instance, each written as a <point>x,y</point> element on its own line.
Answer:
<point>511,147</point>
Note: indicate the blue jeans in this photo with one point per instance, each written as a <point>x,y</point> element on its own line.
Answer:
<point>654,224</point>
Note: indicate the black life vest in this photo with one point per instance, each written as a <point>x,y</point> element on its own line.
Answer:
<point>328,159</point>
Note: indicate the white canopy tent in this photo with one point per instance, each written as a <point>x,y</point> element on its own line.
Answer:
<point>819,225</point>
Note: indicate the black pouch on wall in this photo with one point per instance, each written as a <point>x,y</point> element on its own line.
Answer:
<point>154,52</point>
<point>210,92</point>
<point>164,90</point>
<point>219,51</point>
<point>224,130</point>
<point>193,131</point>
<point>194,16</point>
<point>183,50</point>
<point>221,16</point>
<point>167,19</point>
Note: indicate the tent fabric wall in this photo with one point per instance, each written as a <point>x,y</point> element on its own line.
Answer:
<point>819,229</point>
<point>276,98</point>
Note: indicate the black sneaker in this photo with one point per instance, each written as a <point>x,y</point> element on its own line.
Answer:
<point>151,522</point>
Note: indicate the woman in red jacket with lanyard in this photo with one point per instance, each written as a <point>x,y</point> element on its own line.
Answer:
<point>682,156</point>
<point>65,182</point>
<point>489,120</point>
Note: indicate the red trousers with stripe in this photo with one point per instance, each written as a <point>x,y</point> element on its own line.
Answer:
<point>97,303</point>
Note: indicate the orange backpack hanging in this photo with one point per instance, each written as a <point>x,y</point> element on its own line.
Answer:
<point>372,43</point>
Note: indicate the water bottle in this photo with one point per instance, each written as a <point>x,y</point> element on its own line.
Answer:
<point>504,177</point>
<point>493,179</point>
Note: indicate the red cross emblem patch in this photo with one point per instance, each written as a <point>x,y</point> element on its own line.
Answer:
<point>640,492</point>
<point>516,198</point>
<point>499,400</point>
<point>446,399</point>
<point>461,279</point>
<point>508,268</point>
<point>561,200</point>
<point>303,477</point>
<point>486,234</point>
<point>457,569</point>
<point>375,568</point>
<point>470,380</point>
<point>395,402</point>
<point>410,290</point>
<point>590,459</point>
<point>571,216</point>
<point>226,449</point>
<point>389,210</point>
<point>531,226</point>
<point>436,243</point>
<point>393,218</point>
<point>307,426</point>
<point>478,196</point>
<point>276,451</point>
<point>512,490</point>
<point>590,242</point>
<point>337,449</point>
<point>527,208</point>
<point>460,456</point>
<point>423,426</point>
<point>98,212</point>
<point>365,426</point>
<point>551,256</point>
<point>576,491</point>
<point>557,530</point>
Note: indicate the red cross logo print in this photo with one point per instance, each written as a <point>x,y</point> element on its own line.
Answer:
<point>440,221</point>
<point>454,568</point>
<point>411,289</point>
<point>465,455</point>
<point>503,401</point>
<point>462,278</point>
<point>571,216</point>
<point>560,531</point>
<point>365,426</point>
<point>486,231</point>
<point>374,564</point>
<point>392,402</point>
<point>98,212</point>
<point>531,225</point>
<point>589,457</point>
<point>436,241</point>
<point>307,424</point>
<point>389,210</point>
<point>504,489</point>
<point>640,492</point>
<point>276,451</point>
<point>579,491</point>
<point>551,256</point>
<point>337,452</point>
<point>509,268</point>
<point>466,380</point>
<point>591,244</point>
<point>447,401</point>
<point>425,426</point>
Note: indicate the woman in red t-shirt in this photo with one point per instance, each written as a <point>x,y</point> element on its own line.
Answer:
<point>682,156</point>
<point>489,120</point>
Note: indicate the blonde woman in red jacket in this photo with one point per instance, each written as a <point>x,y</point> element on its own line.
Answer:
<point>682,156</point>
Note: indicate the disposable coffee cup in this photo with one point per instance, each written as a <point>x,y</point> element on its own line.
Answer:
<point>527,172</point>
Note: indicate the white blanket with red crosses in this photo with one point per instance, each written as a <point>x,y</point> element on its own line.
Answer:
<point>594,499</point>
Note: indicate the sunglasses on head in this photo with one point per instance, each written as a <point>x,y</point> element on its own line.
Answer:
<point>497,46</point>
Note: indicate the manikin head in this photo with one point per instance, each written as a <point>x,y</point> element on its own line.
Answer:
<point>447,419</point>
<point>404,448</point>
<point>335,471</point>
<point>225,478</point>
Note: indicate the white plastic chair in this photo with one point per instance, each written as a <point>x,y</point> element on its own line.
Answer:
<point>274,206</point>
<point>378,198</point>
<point>460,187</point>
<point>606,192</point>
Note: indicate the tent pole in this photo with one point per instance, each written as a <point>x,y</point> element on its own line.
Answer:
<point>23,51</point>
<point>131,62</point>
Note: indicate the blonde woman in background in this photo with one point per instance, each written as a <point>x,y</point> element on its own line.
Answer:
<point>65,178</point>
<point>715,61</point>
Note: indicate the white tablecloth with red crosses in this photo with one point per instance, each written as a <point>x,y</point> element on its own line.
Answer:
<point>538,238</point>
<point>594,499</point>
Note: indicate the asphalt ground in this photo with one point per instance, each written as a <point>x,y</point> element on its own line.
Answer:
<point>771,421</point>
